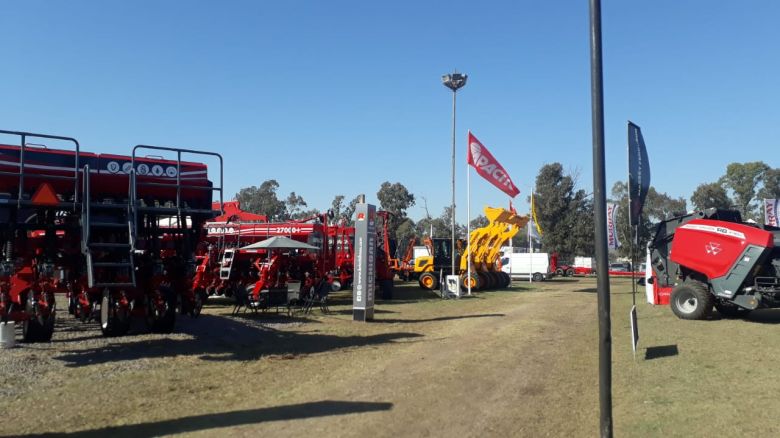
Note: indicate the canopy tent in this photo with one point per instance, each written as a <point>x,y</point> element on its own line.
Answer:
<point>279,242</point>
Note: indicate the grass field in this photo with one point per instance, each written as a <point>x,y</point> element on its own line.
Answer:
<point>521,362</point>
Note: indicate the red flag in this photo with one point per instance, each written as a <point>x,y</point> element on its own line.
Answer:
<point>487,166</point>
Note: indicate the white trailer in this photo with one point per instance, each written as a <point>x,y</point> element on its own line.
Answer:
<point>535,266</point>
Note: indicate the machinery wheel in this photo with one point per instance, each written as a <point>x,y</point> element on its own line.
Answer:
<point>559,272</point>
<point>201,297</point>
<point>474,280</point>
<point>570,272</point>
<point>729,310</point>
<point>114,319</point>
<point>506,280</point>
<point>428,281</point>
<point>161,319</point>
<point>692,300</point>
<point>335,286</point>
<point>38,327</point>
<point>495,282</point>
<point>537,276</point>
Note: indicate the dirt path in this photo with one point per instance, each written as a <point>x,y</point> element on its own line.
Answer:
<point>517,363</point>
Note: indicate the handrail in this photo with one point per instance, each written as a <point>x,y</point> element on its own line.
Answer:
<point>23,147</point>
<point>178,184</point>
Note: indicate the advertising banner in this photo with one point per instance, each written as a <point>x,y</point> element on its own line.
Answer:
<point>770,212</point>
<point>612,235</point>
<point>638,173</point>
<point>489,168</point>
<point>363,287</point>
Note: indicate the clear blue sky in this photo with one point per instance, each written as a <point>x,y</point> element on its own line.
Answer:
<point>335,97</point>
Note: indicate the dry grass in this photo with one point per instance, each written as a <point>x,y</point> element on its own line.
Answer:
<point>510,363</point>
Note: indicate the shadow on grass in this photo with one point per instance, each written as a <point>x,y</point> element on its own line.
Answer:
<point>661,351</point>
<point>590,290</point>
<point>764,316</point>
<point>235,418</point>
<point>218,338</point>
<point>441,318</point>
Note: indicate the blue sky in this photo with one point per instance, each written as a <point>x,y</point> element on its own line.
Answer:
<point>336,97</point>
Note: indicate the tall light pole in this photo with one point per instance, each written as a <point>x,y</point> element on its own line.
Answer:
<point>454,82</point>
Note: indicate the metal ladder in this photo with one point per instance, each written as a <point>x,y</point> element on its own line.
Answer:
<point>115,257</point>
<point>226,264</point>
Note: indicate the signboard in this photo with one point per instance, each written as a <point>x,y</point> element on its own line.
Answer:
<point>365,263</point>
<point>634,330</point>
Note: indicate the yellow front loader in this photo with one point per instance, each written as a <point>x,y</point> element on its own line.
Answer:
<point>484,251</point>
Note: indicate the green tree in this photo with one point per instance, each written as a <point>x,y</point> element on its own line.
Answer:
<point>294,207</point>
<point>395,199</point>
<point>562,211</point>
<point>742,179</point>
<point>262,200</point>
<point>771,184</point>
<point>479,222</point>
<point>710,195</point>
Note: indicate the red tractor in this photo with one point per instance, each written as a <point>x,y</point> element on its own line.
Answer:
<point>713,259</point>
<point>115,234</point>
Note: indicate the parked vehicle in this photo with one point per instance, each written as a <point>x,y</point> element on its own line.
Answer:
<point>524,265</point>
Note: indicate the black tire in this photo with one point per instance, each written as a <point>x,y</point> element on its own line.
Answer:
<point>162,320</point>
<point>114,319</point>
<point>729,310</point>
<point>201,298</point>
<point>37,327</point>
<point>537,277</point>
<point>475,283</point>
<point>506,280</point>
<point>428,281</point>
<point>570,272</point>
<point>692,300</point>
<point>559,272</point>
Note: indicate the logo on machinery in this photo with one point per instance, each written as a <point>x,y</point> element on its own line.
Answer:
<point>712,248</point>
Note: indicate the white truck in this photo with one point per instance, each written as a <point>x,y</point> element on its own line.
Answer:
<point>523,265</point>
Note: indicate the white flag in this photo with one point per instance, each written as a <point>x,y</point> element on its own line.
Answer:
<point>770,212</point>
<point>532,231</point>
<point>612,236</point>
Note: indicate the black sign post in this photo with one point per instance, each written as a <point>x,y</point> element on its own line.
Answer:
<point>600,219</point>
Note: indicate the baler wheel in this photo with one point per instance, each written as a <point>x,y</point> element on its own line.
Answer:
<point>428,281</point>
<point>692,300</point>
<point>114,319</point>
<point>570,272</point>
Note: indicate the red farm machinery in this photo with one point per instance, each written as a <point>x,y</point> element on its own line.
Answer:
<point>233,259</point>
<point>115,234</point>
<point>713,259</point>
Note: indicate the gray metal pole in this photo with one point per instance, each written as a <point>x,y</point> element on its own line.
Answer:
<point>452,252</point>
<point>600,213</point>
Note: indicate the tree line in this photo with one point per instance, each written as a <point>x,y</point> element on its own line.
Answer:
<point>564,211</point>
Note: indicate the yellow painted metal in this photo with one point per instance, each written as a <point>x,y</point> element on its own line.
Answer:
<point>486,242</point>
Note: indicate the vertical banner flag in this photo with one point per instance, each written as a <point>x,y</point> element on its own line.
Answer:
<point>487,167</point>
<point>638,173</point>
<point>533,217</point>
<point>771,211</point>
<point>612,235</point>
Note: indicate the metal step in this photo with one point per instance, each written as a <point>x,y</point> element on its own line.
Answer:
<point>109,245</point>
<point>112,264</point>
<point>108,205</point>
<point>113,285</point>
<point>107,225</point>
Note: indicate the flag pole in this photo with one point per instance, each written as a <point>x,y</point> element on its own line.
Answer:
<point>468,223</point>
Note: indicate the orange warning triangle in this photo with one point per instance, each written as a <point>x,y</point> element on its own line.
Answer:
<point>45,195</point>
